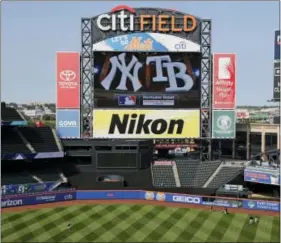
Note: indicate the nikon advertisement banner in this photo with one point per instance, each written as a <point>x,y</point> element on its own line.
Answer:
<point>224,124</point>
<point>146,124</point>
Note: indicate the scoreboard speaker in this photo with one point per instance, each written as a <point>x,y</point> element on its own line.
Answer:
<point>123,154</point>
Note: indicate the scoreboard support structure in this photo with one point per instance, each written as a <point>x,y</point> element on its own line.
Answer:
<point>87,84</point>
<point>206,90</point>
<point>87,77</point>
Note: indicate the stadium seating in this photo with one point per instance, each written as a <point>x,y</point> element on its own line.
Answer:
<point>15,172</point>
<point>187,171</point>
<point>47,174</point>
<point>16,178</point>
<point>41,139</point>
<point>11,142</point>
<point>45,170</point>
<point>194,173</point>
<point>9,114</point>
<point>225,174</point>
<point>163,176</point>
<point>204,171</point>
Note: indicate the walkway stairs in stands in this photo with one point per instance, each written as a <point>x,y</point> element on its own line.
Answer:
<point>212,176</point>
<point>176,175</point>
<point>37,179</point>
<point>28,145</point>
<point>58,142</point>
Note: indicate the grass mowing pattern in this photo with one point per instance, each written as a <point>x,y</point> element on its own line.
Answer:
<point>134,223</point>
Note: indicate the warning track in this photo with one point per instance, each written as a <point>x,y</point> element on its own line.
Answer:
<point>156,203</point>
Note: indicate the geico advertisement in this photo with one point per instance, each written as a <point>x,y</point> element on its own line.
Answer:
<point>146,124</point>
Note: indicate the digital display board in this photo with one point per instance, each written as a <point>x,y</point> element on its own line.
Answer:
<point>147,80</point>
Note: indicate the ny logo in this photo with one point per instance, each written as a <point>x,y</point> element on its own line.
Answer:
<point>134,66</point>
<point>120,63</point>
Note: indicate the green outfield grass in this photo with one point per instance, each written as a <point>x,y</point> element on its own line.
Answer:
<point>135,223</point>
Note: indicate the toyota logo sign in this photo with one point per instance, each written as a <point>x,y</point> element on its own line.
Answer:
<point>67,75</point>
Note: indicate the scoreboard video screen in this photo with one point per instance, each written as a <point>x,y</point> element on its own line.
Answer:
<point>147,80</point>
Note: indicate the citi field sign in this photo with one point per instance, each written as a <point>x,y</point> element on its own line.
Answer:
<point>130,21</point>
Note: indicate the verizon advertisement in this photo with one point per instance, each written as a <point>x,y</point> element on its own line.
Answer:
<point>224,81</point>
<point>141,80</point>
<point>68,80</point>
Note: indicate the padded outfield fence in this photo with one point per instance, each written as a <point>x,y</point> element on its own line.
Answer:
<point>49,197</point>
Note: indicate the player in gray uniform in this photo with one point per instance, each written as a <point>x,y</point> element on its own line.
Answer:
<point>256,220</point>
<point>251,220</point>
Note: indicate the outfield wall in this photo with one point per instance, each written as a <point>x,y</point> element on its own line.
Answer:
<point>49,197</point>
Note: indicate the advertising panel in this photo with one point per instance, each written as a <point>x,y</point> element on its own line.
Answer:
<point>68,123</point>
<point>27,188</point>
<point>224,124</point>
<point>125,20</point>
<point>277,46</point>
<point>94,195</point>
<point>146,124</point>
<point>261,177</point>
<point>224,81</point>
<point>39,199</point>
<point>148,42</point>
<point>276,81</point>
<point>68,80</point>
<point>242,114</point>
<point>170,197</point>
<point>223,203</point>
<point>261,205</point>
<point>141,80</point>
<point>187,199</point>
<point>14,201</point>
<point>231,187</point>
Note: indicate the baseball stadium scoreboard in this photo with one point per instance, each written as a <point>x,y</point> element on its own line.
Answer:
<point>150,69</point>
<point>147,78</point>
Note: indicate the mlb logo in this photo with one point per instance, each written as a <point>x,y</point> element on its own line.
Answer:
<point>127,100</point>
